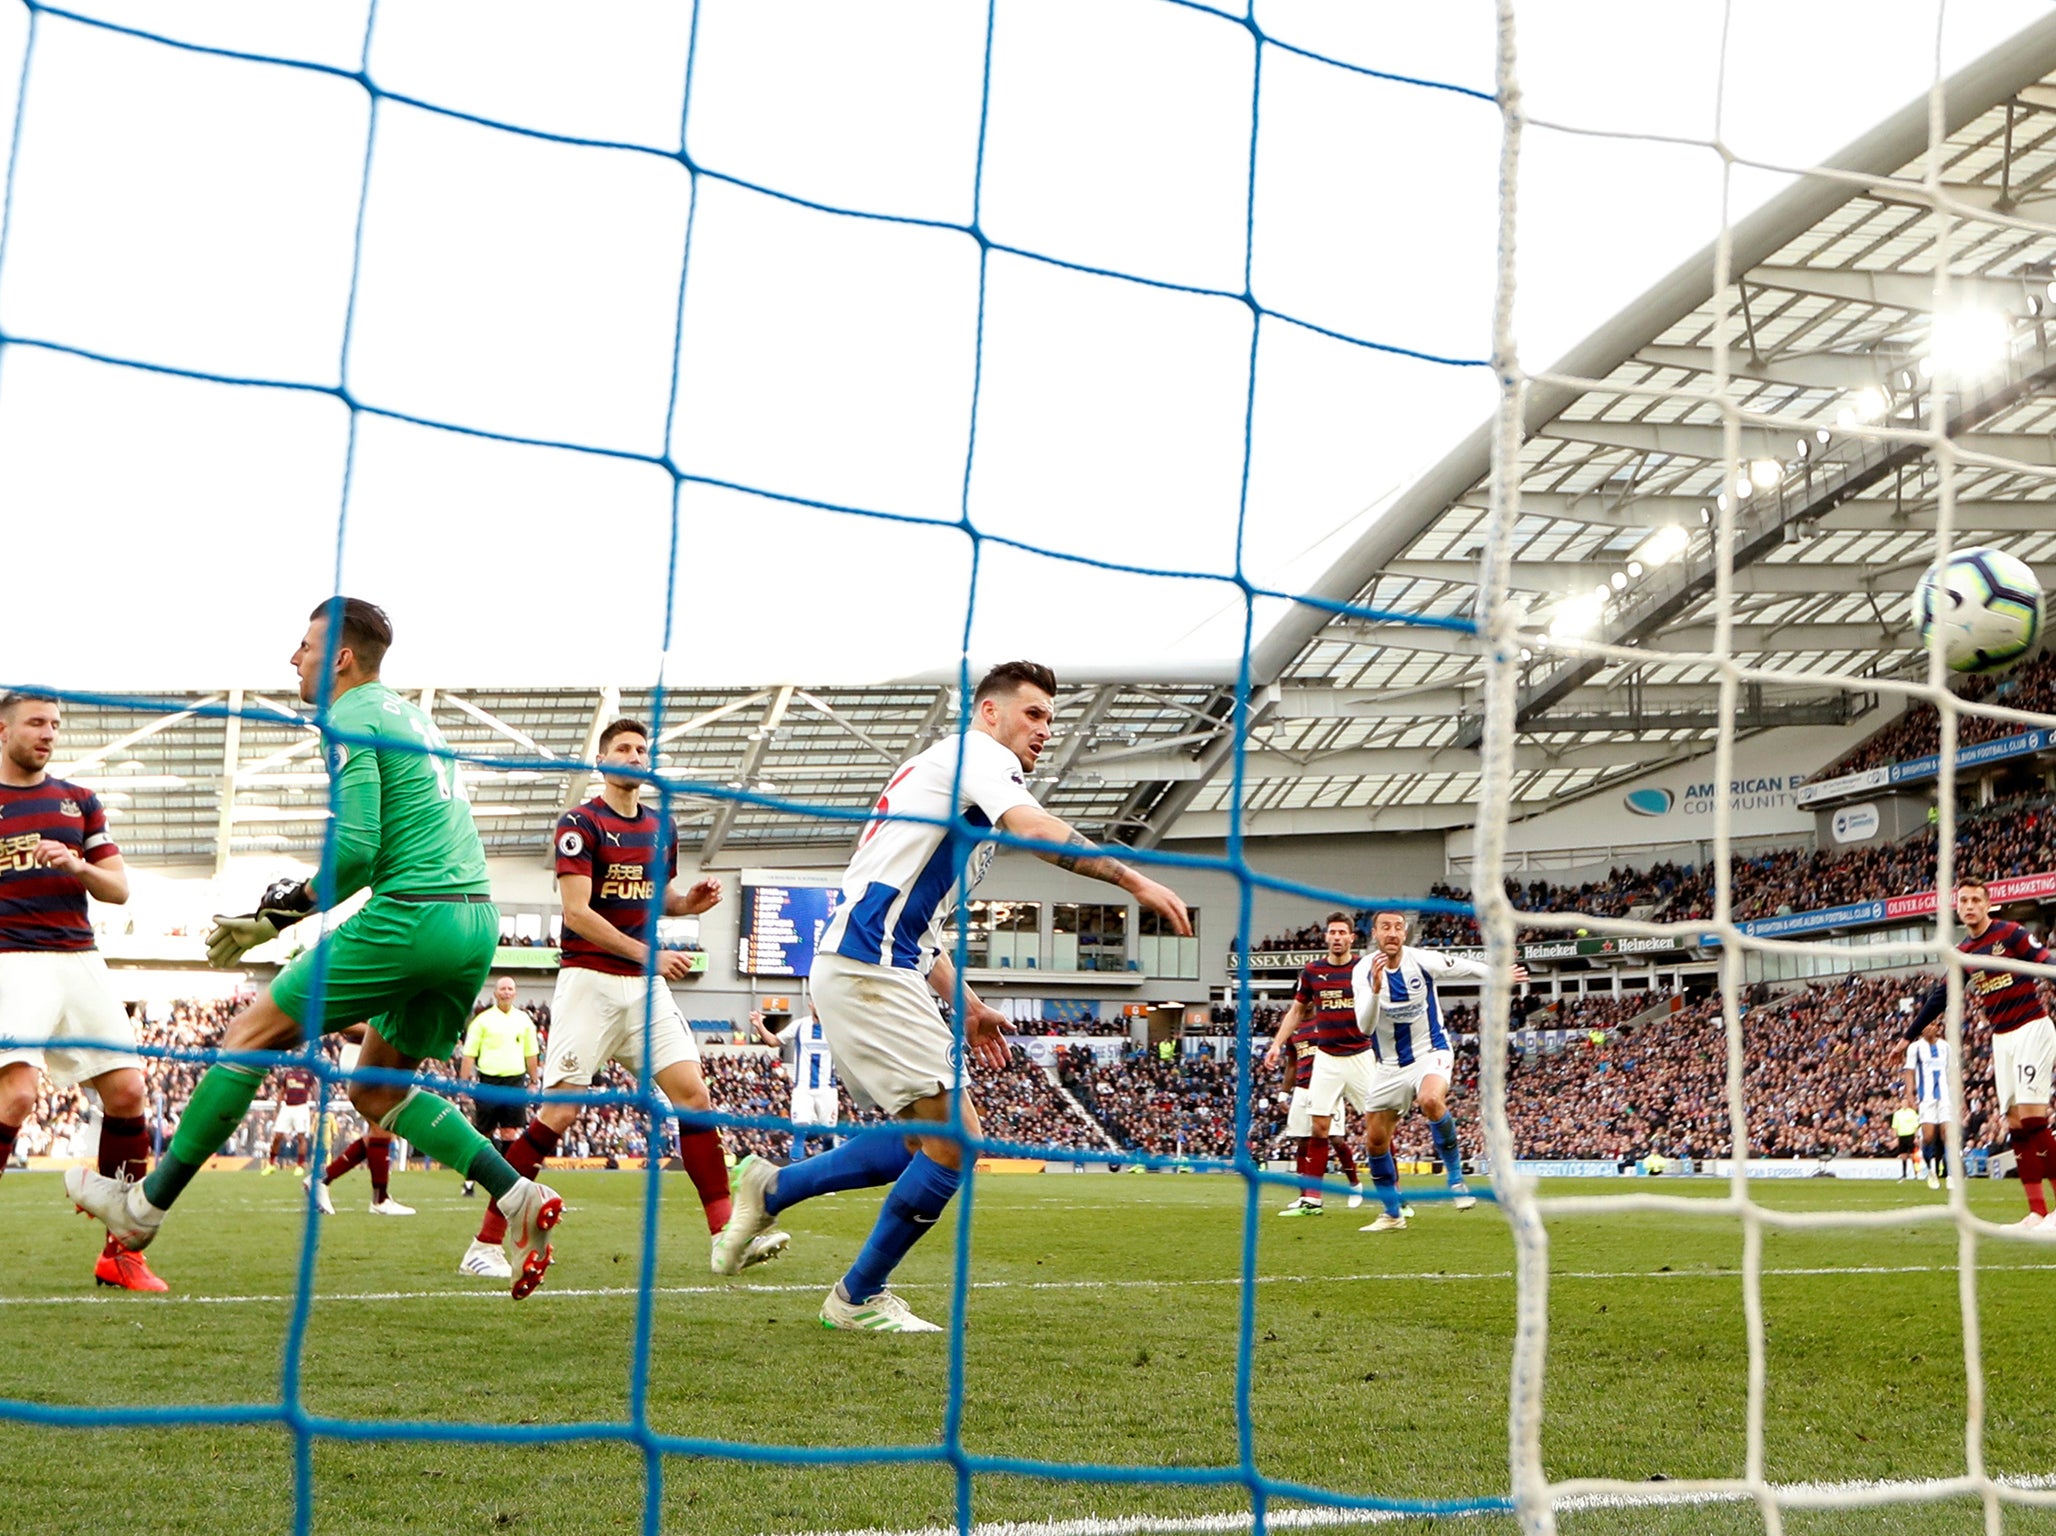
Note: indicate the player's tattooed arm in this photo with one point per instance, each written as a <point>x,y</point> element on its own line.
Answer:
<point>1072,850</point>
<point>1082,855</point>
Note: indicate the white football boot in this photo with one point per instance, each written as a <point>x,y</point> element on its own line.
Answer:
<point>118,1205</point>
<point>882,1313</point>
<point>486,1260</point>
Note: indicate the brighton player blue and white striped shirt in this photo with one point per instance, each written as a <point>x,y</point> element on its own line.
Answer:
<point>1396,1004</point>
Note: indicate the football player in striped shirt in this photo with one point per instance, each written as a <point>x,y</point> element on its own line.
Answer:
<point>55,851</point>
<point>2023,1040</point>
<point>1322,1016</point>
<point>1413,1055</point>
<point>1927,1095</point>
<point>880,973</point>
<point>617,860</point>
<point>814,1099</point>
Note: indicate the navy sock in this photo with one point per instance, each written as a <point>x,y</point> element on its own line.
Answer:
<point>862,1162</point>
<point>1447,1147</point>
<point>917,1200</point>
<point>1385,1181</point>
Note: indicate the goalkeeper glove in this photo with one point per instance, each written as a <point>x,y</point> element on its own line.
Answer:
<point>283,904</point>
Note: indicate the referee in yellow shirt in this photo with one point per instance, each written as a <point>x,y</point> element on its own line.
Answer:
<point>500,1050</point>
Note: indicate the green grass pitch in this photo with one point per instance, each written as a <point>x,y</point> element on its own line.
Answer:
<point>1102,1328</point>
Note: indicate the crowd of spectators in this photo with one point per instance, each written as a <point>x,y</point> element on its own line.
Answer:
<point>2013,836</point>
<point>1822,1076</point>
<point>1917,732</point>
<point>1182,1105</point>
<point>1100,1028</point>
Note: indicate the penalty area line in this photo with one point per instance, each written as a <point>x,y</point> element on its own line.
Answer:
<point>1444,1277</point>
<point>1811,1495</point>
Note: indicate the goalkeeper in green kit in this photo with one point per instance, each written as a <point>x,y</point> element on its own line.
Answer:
<point>411,960</point>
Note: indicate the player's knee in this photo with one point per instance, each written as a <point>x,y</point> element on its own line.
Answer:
<point>121,1093</point>
<point>17,1093</point>
<point>374,1101</point>
<point>1434,1108</point>
<point>943,1151</point>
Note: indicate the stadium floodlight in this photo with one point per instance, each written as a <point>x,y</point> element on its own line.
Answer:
<point>1744,488</point>
<point>1664,545</point>
<point>1579,615</point>
<point>1869,404</point>
<point>1766,473</point>
<point>1618,581</point>
<point>1821,436</point>
<point>1966,342</point>
<point>1634,570</point>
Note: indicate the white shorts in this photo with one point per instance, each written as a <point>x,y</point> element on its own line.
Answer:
<point>1339,1081</point>
<point>65,997</point>
<point>1429,1064</point>
<point>1935,1112</point>
<point>891,1042</point>
<point>596,1018</point>
<point>815,1106</point>
<point>293,1120</point>
<point>1299,1118</point>
<point>2021,1062</point>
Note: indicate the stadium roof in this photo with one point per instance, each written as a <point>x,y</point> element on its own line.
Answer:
<point>1832,353</point>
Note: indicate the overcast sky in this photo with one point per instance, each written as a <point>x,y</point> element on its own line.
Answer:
<point>198,212</point>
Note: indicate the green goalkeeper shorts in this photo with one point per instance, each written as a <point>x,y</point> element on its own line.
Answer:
<point>412,969</point>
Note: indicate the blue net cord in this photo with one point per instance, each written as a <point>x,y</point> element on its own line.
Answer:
<point>637,1429</point>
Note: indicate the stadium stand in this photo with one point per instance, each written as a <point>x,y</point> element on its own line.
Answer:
<point>1823,1079</point>
<point>2015,835</point>
<point>1917,732</point>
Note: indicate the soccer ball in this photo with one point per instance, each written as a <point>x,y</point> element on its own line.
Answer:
<point>1987,605</point>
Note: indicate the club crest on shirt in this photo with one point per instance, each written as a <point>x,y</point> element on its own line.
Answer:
<point>338,755</point>
<point>69,808</point>
<point>567,1064</point>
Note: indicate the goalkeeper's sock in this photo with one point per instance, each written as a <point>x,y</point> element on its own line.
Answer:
<point>217,1107</point>
<point>916,1202</point>
<point>1339,1145</point>
<point>124,1146</point>
<point>863,1162</point>
<point>1316,1166</point>
<point>1447,1147</point>
<point>345,1160</point>
<point>1385,1181</point>
<point>706,1164</point>
<point>2027,1162</point>
<point>439,1129</point>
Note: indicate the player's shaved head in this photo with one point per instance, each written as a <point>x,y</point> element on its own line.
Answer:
<point>622,727</point>
<point>361,626</point>
<point>1008,676</point>
<point>14,698</point>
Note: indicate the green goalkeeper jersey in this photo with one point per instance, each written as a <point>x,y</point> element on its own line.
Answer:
<point>402,822</point>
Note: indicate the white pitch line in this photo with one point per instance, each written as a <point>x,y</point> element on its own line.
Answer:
<point>1813,1495</point>
<point>811,1287</point>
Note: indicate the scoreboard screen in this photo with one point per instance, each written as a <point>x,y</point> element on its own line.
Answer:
<point>781,924</point>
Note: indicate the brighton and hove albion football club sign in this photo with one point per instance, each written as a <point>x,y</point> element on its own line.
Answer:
<point>1613,946</point>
